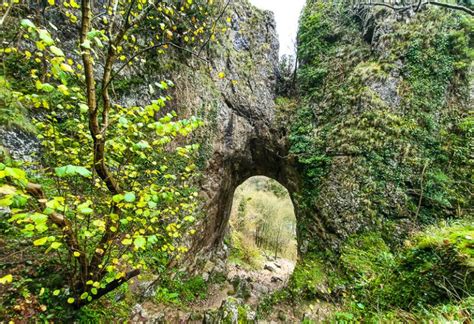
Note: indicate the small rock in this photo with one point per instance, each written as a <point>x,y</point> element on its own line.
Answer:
<point>139,314</point>
<point>276,279</point>
<point>269,268</point>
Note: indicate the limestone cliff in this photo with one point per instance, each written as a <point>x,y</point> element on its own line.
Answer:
<point>379,139</point>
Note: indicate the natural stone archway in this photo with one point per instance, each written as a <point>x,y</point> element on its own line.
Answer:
<point>245,138</point>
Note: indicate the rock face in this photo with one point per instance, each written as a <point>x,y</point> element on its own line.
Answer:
<point>346,168</point>
<point>382,100</point>
<point>241,139</point>
<point>355,157</point>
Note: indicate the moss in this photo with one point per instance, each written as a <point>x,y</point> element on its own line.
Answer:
<point>309,279</point>
<point>13,112</point>
<point>181,289</point>
<point>242,313</point>
<point>365,256</point>
<point>395,116</point>
<point>434,268</point>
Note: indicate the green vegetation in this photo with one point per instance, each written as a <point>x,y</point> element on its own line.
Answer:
<point>408,146</point>
<point>181,290</point>
<point>12,112</point>
<point>112,195</point>
<point>431,277</point>
<point>380,125</point>
<point>383,135</point>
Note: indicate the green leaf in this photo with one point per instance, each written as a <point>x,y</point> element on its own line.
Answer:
<point>72,170</point>
<point>15,173</point>
<point>93,33</point>
<point>85,210</point>
<point>117,198</point>
<point>126,241</point>
<point>46,87</point>
<point>83,108</point>
<point>129,197</point>
<point>56,51</point>
<point>98,223</point>
<point>139,242</point>
<point>189,219</point>
<point>86,44</point>
<point>45,36</point>
<point>84,295</point>
<point>26,23</point>
<point>56,245</point>
<point>40,241</point>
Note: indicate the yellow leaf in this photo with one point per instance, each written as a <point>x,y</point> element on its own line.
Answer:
<point>51,2</point>
<point>7,190</point>
<point>7,279</point>
<point>63,89</point>
<point>76,254</point>
<point>70,300</point>
<point>66,68</point>
<point>221,75</point>
<point>40,241</point>
<point>56,245</point>
<point>74,4</point>
<point>126,241</point>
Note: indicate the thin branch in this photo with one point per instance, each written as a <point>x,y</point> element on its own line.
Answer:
<point>420,4</point>
<point>452,6</point>
<point>63,223</point>
<point>214,27</point>
<point>109,287</point>
<point>6,14</point>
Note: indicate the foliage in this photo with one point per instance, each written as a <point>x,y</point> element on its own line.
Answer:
<point>430,277</point>
<point>113,194</point>
<point>286,76</point>
<point>12,111</point>
<point>178,290</point>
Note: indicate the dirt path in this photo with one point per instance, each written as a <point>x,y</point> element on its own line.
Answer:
<point>271,277</point>
<point>252,285</point>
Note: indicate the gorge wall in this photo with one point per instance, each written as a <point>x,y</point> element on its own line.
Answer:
<point>366,145</point>
<point>384,105</point>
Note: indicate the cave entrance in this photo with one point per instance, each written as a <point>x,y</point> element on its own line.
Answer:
<point>262,233</point>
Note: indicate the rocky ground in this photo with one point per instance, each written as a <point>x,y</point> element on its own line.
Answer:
<point>242,289</point>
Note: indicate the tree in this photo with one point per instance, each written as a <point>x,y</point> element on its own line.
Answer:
<point>114,186</point>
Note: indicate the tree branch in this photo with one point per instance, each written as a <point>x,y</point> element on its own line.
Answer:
<point>214,27</point>
<point>36,191</point>
<point>420,4</point>
<point>109,287</point>
<point>452,6</point>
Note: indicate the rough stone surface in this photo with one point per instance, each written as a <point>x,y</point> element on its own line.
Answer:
<point>20,144</point>
<point>242,139</point>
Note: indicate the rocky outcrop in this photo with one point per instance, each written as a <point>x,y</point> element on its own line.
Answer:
<point>241,138</point>
<point>350,165</point>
